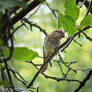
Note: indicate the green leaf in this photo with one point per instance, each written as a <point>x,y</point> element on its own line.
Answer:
<point>1,66</point>
<point>1,43</point>
<point>22,54</point>
<point>1,25</point>
<point>41,1</point>
<point>11,3</point>
<point>3,83</point>
<point>71,9</point>
<point>87,21</point>
<point>0,30</point>
<point>67,23</point>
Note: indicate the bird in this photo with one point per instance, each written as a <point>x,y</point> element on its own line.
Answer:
<point>51,41</point>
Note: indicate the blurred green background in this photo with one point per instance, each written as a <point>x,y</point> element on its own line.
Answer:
<point>34,40</point>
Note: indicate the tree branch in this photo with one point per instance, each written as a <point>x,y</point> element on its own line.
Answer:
<point>86,3</point>
<point>23,12</point>
<point>55,78</point>
<point>84,81</point>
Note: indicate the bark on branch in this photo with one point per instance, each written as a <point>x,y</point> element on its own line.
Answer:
<point>23,12</point>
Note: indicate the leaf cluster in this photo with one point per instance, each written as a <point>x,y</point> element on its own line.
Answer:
<point>69,18</point>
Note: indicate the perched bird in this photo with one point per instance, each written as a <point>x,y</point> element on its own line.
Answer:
<point>51,41</point>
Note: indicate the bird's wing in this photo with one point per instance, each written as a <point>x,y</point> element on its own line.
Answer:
<point>43,53</point>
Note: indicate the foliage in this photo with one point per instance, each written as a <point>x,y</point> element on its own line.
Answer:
<point>86,21</point>
<point>68,21</point>
<point>71,6</point>
<point>22,54</point>
<point>1,66</point>
<point>4,4</point>
<point>18,44</point>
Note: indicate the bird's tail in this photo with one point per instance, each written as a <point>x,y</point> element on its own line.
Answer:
<point>44,68</point>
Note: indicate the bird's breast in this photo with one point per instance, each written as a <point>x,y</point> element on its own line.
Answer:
<point>49,46</point>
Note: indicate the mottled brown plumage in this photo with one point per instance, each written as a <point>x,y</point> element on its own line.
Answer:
<point>51,41</point>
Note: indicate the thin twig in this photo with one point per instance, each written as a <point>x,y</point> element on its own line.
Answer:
<point>89,8</point>
<point>89,38</point>
<point>34,25</point>
<point>32,64</point>
<point>34,11</point>
<point>84,81</point>
<point>60,68</point>
<point>52,10</point>
<point>77,43</point>
<point>22,81</point>
<point>62,79</point>
<point>86,3</point>
<point>37,89</point>
<point>83,3</point>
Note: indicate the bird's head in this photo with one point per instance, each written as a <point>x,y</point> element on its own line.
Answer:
<point>58,34</point>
